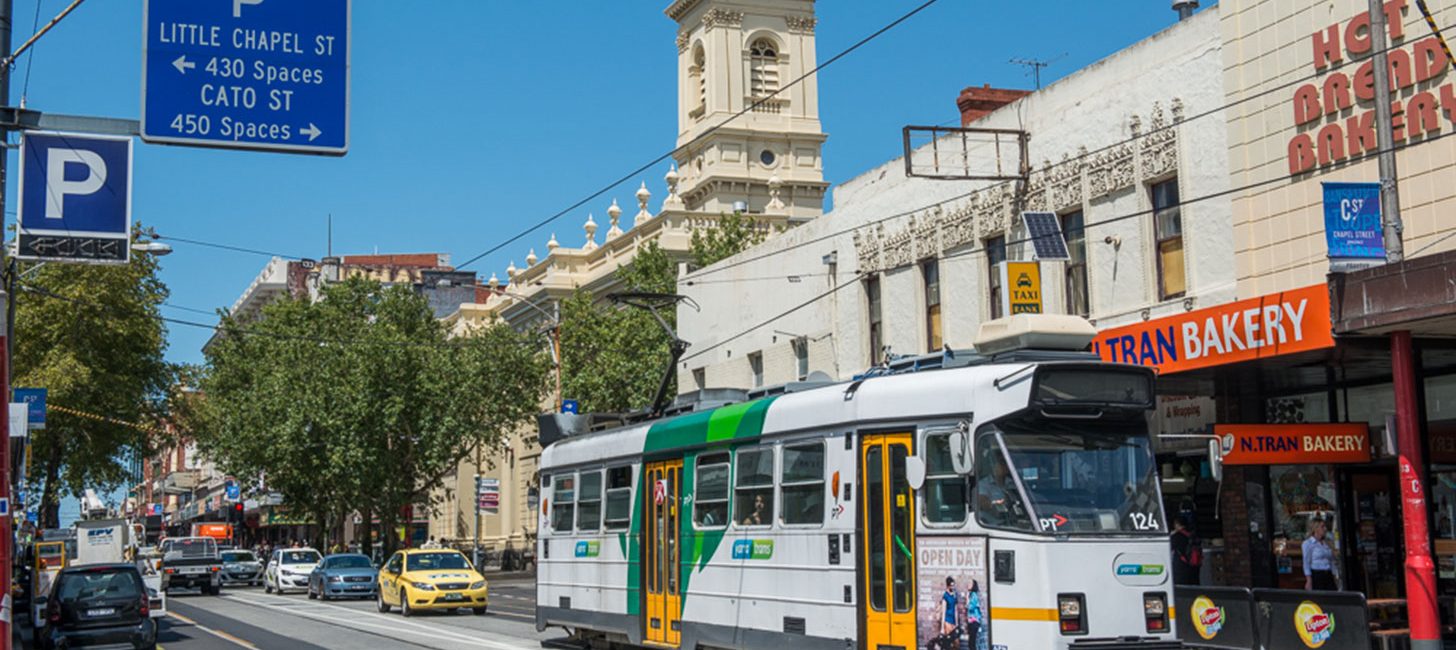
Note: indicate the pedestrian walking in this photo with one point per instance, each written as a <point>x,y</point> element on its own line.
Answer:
<point>1187,550</point>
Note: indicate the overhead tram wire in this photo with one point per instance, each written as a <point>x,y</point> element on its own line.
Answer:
<point>711,130</point>
<point>943,202</point>
<point>228,247</point>
<point>858,275</point>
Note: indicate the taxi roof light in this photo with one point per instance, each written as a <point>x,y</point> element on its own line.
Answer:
<point>1035,332</point>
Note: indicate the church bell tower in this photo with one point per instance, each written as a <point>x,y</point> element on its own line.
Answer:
<point>736,54</point>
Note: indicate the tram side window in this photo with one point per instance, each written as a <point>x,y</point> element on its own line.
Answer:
<point>753,493</point>
<point>619,498</point>
<point>998,501</point>
<point>945,491</point>
<point>563,502</point>
<point>710,497</point>
<point>803,484</point>
<point>589,502</point>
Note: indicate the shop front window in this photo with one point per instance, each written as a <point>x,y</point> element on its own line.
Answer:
<point>1301,494</point>
<point>1441,432</point>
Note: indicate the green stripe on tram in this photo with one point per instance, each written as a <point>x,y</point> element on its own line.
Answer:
<point>731,425</point>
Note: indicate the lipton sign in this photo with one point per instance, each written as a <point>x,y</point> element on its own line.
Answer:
<point>1328,133</point>
<point>1280,323</point>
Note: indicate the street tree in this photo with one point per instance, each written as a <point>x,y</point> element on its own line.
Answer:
<point>93,336</point>
<point>613,357</point>
<point>361,401</point>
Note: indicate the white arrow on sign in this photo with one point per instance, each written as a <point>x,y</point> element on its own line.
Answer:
<point>238,6</point>
<point>312,132</point>
<point>183,65</point>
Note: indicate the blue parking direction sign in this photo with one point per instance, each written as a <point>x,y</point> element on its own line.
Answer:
<point>247,74</point>
<point>34,400</point>
<point>75,198</point>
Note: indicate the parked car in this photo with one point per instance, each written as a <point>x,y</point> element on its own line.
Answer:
<point>289,569</point>
<point>342,575</point>
<point>423,579</point>
<point>191,562</point>
<point>241,568</point>
<point>98,604</point>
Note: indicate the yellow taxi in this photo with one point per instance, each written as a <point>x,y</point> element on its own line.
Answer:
<point>423,579</point>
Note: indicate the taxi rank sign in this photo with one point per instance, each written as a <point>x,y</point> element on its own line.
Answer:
<point>247,74</point>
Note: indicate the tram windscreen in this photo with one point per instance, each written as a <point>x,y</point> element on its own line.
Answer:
<point>1086,477</point>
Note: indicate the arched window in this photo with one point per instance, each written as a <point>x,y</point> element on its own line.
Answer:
<point>699,80</point>
<point>763,65</point>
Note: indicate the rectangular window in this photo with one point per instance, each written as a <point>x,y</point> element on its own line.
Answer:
<point>945,490</point>
<point>755,364</point>
<point>1168,229</point>
<point>801,358</point>
<point>700,378</point>
<point>876,336</point>
<point>589,502</point>
<point>563,502</point>
<point>753,493</point>
<point>930,269</point>
<point>1075,285</point>
<point>710,497</point>
<point>619,498</point>
<point>803,484</point>
<point>995,255</point>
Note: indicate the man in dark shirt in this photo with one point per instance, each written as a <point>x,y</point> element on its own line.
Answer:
<point>1187,551</point>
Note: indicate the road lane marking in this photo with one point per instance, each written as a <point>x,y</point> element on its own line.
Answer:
<point>354,620</point>
<point>217,633</point>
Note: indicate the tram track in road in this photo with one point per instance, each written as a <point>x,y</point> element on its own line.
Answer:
<point>410,632</point>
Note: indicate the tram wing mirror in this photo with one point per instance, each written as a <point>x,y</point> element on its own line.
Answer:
<point>915,471</point>
<point>1215,460</point>
<point>960,453</point>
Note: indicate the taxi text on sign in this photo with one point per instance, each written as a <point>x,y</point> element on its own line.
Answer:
<point>1294,444</point>
<point>247,74</point>
<point>1023,287</point>
<point>1268,326</point>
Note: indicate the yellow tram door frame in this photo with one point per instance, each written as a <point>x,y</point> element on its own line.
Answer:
<point>661,560</point>
<point>887,542</point>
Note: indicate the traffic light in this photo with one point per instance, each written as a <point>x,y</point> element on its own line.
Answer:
<point>237,513</point>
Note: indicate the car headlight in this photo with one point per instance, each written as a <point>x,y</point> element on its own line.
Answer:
<point>336,579</point>
<point>423,586</point>
<point>477,585</point>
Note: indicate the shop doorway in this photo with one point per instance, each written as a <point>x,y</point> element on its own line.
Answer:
<point>1373,546</point>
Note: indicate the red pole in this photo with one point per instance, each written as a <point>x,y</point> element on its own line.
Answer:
<point>1420,576</point>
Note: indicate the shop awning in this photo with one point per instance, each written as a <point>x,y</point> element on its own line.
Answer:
<point>1417,294</point>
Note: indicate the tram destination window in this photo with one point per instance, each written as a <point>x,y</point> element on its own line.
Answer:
<point>589,502</point>
<point>710,497</point>
<point>619,498</point>
<point>563,502</point>
<point>803,484</point>
<point>753,493</point>
<point>945,490</point>
<point>1094,386</point>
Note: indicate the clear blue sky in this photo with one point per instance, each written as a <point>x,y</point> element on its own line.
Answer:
<point>474,118</point>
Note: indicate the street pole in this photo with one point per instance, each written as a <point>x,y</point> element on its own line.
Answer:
<point>475,496</point>
<point>1385,138</point>
<point>7,534</point>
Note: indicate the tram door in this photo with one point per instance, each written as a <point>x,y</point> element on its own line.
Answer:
<point>887,535</point>
<point>660,558</point>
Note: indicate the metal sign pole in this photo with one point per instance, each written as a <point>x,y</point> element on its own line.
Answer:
<point>7,534</point>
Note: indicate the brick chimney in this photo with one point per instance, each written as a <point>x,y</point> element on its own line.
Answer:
<point>976,103</point>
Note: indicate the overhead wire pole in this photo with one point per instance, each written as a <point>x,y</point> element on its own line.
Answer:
<point>7,532</point>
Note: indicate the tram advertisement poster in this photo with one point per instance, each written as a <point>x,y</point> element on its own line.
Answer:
<point>963,560</point>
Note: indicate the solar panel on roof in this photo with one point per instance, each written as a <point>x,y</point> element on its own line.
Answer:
<point>1045,231</point>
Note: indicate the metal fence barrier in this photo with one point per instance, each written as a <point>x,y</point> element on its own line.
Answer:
<point>1217,618</point>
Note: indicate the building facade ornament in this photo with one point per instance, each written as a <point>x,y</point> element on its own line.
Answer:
<point>801,24</point>
<point>722,17</point>
<point>682,42</point>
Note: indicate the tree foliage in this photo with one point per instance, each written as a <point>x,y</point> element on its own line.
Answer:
<point>91,335</point>
<point>361,400</point>
<point>613,357</point>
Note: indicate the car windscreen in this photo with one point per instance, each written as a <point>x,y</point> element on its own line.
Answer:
<point>238,556</point>
<point>435,561</point>
<point>100,584</point>
<point>300,557</point>
<point>350,562</point>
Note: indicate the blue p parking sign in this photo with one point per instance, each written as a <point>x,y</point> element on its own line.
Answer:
<point>75,198</point>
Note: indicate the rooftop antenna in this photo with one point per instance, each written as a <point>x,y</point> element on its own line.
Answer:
<point>1034,66</point>
<point>331,235</point>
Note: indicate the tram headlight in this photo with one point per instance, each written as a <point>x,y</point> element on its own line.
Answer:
<point>1071,613</point>
<point>1155,611</point>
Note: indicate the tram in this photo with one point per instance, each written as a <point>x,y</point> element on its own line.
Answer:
<point>1002,499</point>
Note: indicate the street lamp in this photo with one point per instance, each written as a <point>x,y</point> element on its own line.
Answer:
<point>156,248</point>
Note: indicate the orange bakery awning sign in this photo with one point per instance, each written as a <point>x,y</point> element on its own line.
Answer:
<point>1294,444</point>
